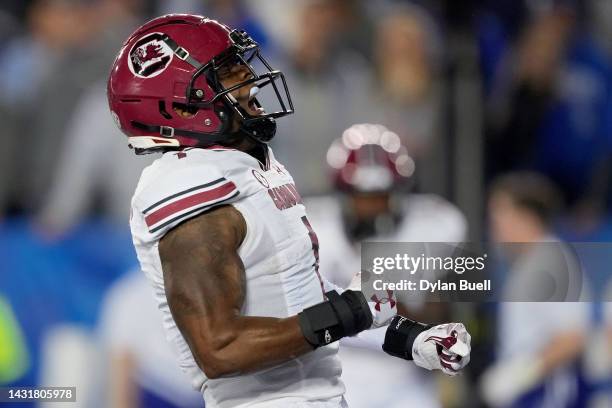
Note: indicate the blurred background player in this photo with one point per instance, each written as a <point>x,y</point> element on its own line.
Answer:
<point>371,173</point>
<point>140,362</point>
<point>539,343</point>
<point>83,174</point>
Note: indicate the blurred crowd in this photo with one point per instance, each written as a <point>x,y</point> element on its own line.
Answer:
<point>504,108</point>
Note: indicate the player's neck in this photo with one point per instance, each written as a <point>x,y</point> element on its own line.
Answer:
<point>245,144</point>
<point>250,146</point>
<point>260,152</point>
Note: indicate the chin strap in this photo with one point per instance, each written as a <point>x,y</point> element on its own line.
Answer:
<point>261,132</point>
<point>170,132</point>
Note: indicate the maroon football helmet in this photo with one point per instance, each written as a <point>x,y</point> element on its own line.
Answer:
<point>173,61</point>
<point>369,158</point>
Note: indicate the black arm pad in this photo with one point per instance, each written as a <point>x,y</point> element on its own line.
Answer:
<point>400,336</point>
<point>341,315</point>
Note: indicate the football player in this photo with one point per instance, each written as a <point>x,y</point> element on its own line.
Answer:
<point>220,230</point>
<point>371,171</point>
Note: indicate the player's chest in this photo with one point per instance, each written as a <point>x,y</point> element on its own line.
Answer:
<point>277,203</point>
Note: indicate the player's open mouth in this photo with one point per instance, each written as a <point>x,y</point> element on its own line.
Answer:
<point>253,107</point>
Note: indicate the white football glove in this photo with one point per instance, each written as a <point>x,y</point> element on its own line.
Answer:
<point>383,307</point>
<point>445,347</point>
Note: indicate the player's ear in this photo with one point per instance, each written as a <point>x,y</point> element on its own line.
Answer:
<point>182,110</point>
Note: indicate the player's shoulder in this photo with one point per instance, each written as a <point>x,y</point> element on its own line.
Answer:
<point>192,170</point>
<point>131,288</point>
<point>323,210</point>
<point>433,217</point>
<point>325,216</point>
<point>180,185</point>
<point>216,158</point>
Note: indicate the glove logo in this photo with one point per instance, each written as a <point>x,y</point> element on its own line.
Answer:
<point>384,300</point>
<point>150,56</point>
<point>328,337</point>
<point>445,342</point>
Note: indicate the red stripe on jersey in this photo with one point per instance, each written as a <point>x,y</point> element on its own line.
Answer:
<point>187,202</point>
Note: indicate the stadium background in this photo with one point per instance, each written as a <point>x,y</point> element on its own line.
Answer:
<point>476,89</point>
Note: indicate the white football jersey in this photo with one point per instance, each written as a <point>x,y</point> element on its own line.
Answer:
<point>398,383</point>
<point>279,253</point>
<point>426,218</point>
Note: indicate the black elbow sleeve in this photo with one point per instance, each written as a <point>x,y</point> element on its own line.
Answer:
<point>340,316</point>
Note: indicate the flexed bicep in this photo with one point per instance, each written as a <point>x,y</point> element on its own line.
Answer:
<point>205,286</point>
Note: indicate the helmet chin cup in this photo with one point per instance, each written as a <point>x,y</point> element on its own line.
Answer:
<point>262,130</point>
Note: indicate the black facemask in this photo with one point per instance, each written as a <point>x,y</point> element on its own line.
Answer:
<point>245,51</point>
<point>362,228</point>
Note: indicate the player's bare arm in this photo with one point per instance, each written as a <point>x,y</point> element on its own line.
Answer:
<point>205,286</point>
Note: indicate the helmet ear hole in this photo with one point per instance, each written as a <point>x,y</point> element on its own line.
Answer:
<point>183,109</point>
<point>163,111</point>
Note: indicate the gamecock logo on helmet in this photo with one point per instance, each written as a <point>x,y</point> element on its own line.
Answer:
<point>149,56</point>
